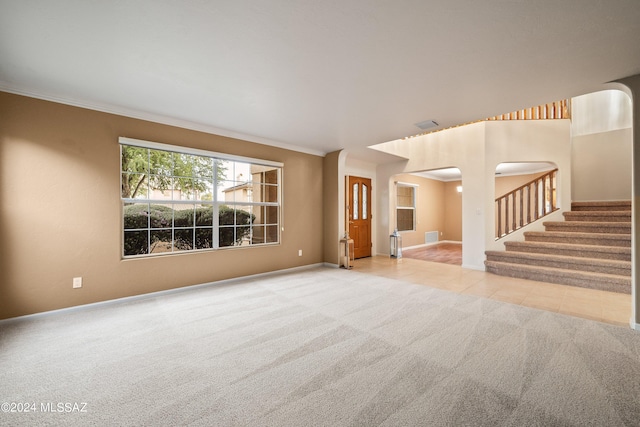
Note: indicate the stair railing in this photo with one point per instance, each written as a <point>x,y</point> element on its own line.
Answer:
<point>526,204</point>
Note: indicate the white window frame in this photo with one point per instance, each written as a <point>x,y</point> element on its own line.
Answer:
<point>215,203</point>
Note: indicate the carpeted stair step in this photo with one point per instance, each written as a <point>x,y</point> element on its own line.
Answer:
<point>603,239</point>
<point>588,227</point>
<point>583,279</point>
<point>612,205</point>
<point>619,253</point>
<point>598,216</point>
<point>605,266</point>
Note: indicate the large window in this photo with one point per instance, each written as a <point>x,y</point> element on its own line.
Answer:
<point>176,200</point>
<point>405,207</point>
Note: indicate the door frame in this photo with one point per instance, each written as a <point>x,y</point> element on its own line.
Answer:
<point>371,205</point>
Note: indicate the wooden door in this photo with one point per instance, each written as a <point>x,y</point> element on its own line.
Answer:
<point>359,214</point>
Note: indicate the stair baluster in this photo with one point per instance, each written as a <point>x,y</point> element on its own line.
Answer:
<point>515,204</point>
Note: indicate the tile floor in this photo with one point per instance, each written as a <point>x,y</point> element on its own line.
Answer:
<point>609,307</point>
<point>448,253</point>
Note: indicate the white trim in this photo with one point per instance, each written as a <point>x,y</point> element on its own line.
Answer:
<point>408,184</point>
<point>195,151</point>
<point>634,326</point>
<point>157,294</point>
<point>156,118</point>
<point>330,265</point>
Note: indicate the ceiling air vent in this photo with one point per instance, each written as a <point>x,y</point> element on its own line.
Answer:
<point>427,124</point>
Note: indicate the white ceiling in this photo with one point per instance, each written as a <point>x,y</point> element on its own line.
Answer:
<point>316,75</point>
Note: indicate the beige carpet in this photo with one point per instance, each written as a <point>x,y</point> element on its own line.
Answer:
<point>323,347</point>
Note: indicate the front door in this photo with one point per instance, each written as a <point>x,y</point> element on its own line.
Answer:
<point>359,210</point>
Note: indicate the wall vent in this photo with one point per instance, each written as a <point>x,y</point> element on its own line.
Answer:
<point>431,236</point>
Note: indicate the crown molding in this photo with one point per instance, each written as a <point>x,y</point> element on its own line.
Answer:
<point>156,118</point>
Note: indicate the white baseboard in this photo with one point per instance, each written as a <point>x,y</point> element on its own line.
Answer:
<point>634,326</point>
<point>330,265</point>
<point>161,293</point>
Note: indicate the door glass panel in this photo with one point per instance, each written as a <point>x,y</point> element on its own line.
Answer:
<point>356,206</point>
<point>365,214</point>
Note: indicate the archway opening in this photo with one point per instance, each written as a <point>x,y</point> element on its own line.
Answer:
<point>524,193</point>
<point>428,214</point>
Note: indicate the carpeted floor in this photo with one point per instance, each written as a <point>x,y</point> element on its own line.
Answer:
<point>321,347</point>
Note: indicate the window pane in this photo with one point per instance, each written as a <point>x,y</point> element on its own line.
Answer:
<point>405,219</point>
<point>226,215</point>
<point>204,216</point>
<point>136,216</point>
<point>190,166</point>
<point>160,241</point>
<point>135,159</point>
<point>202,167</point>
<point>270,193</point>
<point>228,190</point>
<point>160,216</point>
<point>134,185</point>
<point>271,176</point>
<point>271,215</point>
<point>183,239</point>
<point>136,243</point>
<point>203,190</point>
<point>160,162</point>
<point>183,215</point>
<point>181,165</point>
<point>356,206</point>
<point>242,172</point>
<point>161,187</point>
<point>184,189</point>
<point>271,234</point>
<point>243,235</point>
<point>226,236</point>
<point>204,238</point>
<point>225,170</point>
<point>264,175</point>
<point>244,215</point>
<point>405,196</point>
<point>365,214</point>
<point>257,235</point>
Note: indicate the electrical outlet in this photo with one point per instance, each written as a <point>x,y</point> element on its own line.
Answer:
<point>299,252</point>
<point>77,282</point>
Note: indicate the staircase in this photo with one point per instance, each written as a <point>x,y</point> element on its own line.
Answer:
<point>591,248</point>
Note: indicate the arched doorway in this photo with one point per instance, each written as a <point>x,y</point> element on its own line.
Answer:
<point>429,214</point>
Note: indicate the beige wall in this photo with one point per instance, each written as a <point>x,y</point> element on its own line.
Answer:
<point>452,212</point>
<point>430,208</point>
<point>61,212</point>
<point>438,208</point>
<point>505,184</point>
<point>602,166</point>
<point>601,152</point>
<point>331,215</point>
